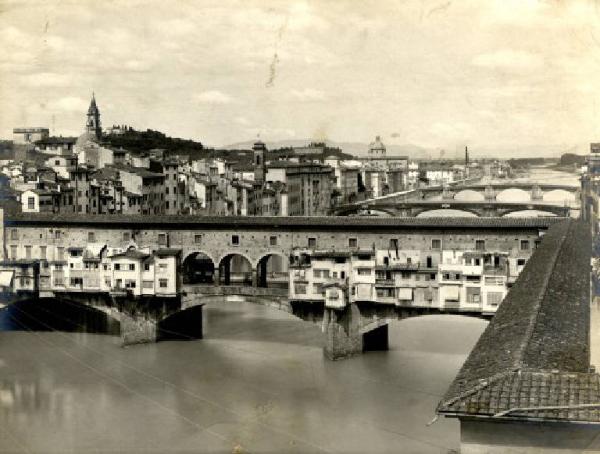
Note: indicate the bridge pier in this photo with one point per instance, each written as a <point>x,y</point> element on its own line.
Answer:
<point>137,329</point>
<point>144,319</point>
<point>343,337</point>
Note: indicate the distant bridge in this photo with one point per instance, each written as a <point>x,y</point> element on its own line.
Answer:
<point>491,208</point>
<point>491,190</point>
<point>488,191</point>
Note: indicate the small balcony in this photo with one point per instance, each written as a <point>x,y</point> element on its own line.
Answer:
<point>385,282</point>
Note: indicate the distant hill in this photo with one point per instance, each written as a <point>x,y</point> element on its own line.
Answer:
<point>418,152</point>
<point>357,149</point>
<point>139,141</point>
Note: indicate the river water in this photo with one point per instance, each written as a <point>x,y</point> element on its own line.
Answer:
<point>257,382</point>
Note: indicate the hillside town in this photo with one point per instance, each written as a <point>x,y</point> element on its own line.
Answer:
<point>94,174</point>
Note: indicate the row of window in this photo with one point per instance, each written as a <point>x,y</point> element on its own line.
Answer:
<point>324,273</point>
<point>436,243</point>
<point>119,283</point>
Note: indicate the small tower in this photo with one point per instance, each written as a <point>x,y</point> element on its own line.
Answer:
<point>259,150</point>
<point>93,120</point>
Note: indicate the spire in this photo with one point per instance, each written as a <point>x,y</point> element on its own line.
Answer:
<point>93,119</point>
<point>93,107</point>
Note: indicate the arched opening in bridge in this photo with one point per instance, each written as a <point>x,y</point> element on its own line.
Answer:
<point>56,315</point>
<point>560,196</point>
<point>183,325</point>
<point>529,214</point>
<point>442,334</point>
<point>446,213</point>
<point>469,195</point>
<point>235,269</point>
<point>198,268</point>
<point>272,271</point>
<point>371,213</point>
<point>513,195</point>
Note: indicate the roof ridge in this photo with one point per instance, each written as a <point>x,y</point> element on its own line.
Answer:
<point>538,304</point>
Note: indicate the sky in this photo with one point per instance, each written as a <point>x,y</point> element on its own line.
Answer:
<point>433,73</point>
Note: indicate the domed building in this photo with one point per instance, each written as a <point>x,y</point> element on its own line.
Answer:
<point>377,148</point>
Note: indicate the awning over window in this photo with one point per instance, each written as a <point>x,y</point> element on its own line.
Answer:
<point>6,278</point>
<point>405,294</point>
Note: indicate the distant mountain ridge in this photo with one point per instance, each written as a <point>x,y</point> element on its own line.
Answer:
<point>418,152</point>
<point>355,148</point>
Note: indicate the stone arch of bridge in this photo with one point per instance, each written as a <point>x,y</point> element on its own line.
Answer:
<point>513,195</point>
<point>559,195</point>
<point>185,324</point>
<point>198,267</point>
<point>272,270</point>
<point>547,211</point>
<point>424,212</point>
<point>377,211</point>
<point>469,195</point>
<point>69,314</point>
<point>371,324</point>
<point>236,268</point>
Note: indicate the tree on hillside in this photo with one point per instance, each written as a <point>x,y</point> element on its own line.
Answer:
<point>569,159</point>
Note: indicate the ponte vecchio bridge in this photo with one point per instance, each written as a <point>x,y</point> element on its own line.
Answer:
<point>531,365</point>
<point>221,256</point>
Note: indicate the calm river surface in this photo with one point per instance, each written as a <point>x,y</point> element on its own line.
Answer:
<point>257,382</point>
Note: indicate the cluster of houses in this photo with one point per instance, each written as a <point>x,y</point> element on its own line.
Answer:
<point>452,280</point>
<point>96,268</point>
<point>89,176</point>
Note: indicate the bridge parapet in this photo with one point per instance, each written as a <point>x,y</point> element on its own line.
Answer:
<point>234,290</point>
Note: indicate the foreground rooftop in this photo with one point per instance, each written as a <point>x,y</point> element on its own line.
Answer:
<point>533,360</point>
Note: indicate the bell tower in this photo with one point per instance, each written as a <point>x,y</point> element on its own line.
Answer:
<point>93,120</point>
<point>259,150</point>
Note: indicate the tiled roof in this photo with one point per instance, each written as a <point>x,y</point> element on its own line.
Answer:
<point>57,140</point>
<point>140,171</point>
<point>289,222</point>
<point>533,394</point>
<point>167,252</point>
<point>535,352</point>
<point>133,254</point>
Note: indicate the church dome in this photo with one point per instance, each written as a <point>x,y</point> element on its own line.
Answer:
<point>377,147</point>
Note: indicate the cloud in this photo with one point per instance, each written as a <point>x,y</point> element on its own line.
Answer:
<point>508,59</point>
<point>213,97</point>
<point>69,104</point>
<point>242,121</point>
<point>47,79</point>
<point>308,94</point>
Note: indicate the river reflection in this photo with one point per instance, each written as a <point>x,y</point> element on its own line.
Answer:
<point>257,381</point>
